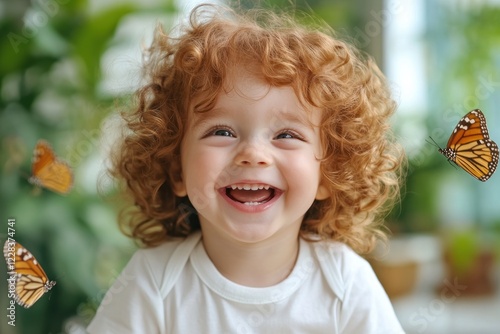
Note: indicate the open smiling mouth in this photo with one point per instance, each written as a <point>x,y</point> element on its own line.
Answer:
<point>251,194</point>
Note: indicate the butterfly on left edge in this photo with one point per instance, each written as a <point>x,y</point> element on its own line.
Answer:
<point>31,282</point>
<point>50,172</point>
<point>471,148</point>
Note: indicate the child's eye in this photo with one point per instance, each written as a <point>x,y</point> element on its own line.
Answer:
<point>223,133</point>
<point>289,134</point>
<point>220,131</point>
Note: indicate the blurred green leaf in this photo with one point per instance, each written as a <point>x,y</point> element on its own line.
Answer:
<point>94,37</point>
<point>463,249</point>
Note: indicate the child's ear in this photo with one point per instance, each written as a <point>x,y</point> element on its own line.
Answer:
<point>179,186</point>
<point>322,192</point>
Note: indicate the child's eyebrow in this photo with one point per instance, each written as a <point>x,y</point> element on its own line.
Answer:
<point>205,116</point>
<point>294,118</point>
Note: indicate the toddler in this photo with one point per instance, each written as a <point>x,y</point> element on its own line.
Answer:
<point>259,163</point>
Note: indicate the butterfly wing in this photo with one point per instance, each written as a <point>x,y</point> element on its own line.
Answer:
<point>471,148</point>
<point>43,155</point>
<point>29,289</point>
<point>50,172</point>
<point>31,280</point>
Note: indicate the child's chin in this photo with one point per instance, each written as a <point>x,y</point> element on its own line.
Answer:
<point>252,233</point>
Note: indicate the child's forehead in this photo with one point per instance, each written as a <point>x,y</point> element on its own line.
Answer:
<point>245,81</point>
<point>242,91</point>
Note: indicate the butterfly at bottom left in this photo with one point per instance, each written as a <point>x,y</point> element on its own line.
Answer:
<point>30,280</point>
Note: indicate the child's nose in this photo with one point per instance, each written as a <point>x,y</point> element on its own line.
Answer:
<point>253,155</point>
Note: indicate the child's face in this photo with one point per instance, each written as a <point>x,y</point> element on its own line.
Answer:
<point>250,166</point>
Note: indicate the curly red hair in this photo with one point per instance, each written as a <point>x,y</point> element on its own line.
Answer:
<point>361,164</point>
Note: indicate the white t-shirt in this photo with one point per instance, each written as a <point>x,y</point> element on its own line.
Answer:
<point>175,288</point>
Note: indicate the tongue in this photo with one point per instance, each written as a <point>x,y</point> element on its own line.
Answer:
<point>249,195</point>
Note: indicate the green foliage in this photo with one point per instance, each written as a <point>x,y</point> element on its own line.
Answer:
<point>463,248</point>
<point>91,43</point>
<point>50,72</point>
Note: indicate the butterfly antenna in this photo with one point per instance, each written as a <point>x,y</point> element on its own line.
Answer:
<point>433,142</point>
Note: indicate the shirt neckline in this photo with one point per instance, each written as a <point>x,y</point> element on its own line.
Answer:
<point>214,280</point>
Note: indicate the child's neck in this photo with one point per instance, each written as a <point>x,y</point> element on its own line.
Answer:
<point>259,264</point>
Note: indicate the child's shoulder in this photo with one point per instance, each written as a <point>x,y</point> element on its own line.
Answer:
<point>168,257</point>
<point>337,252</point>
<point>163,252</point>
<point>341,266</point>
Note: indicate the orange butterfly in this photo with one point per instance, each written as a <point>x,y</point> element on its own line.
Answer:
<point>31,282</point>
<point>471,148</point>
<point>50,172</point>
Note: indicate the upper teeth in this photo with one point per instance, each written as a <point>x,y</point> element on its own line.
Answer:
<point>249,186</point>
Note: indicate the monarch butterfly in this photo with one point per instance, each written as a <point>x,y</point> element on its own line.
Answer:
<point>31,282</point>
<point>471,148</point>
<point>50,172</point>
